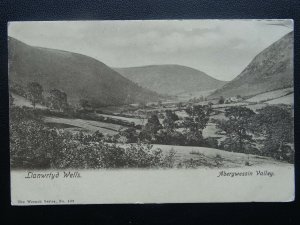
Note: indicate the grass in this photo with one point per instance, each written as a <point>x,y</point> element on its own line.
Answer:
<point>21,101</point>
<point>136,121</point>
<point>270,95</point>
<point>216,157</point>
<point>288,100</point>
<point>106,128</point>
<point>211,131</point>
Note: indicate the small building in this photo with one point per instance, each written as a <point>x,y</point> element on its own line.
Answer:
<point>233,99</point>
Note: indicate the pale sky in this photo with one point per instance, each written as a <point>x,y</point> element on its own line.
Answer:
<point>220,48</point>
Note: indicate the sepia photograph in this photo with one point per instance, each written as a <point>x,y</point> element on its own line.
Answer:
<point>151,111</point>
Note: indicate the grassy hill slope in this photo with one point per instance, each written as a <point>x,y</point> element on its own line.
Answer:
<point>271,69</point>
<point>170,79</point>
<point>81,77</point>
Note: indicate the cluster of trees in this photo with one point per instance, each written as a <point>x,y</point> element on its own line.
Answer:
<point>56,99</point>
<point>166,132</point>
<point>17,88</point>
<point>35,145</point>
<point>197,100</point>
<point>237,128</point>
<point>268,132</point>
<point>195,122</point>
<point>276,125</point>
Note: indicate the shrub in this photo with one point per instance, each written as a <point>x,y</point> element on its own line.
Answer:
<point>169,159</point>
<point>34,145</point>
<point>195,163</point>
<point>218,160</point>
<point>211,142</point>
<point>130,134</point>
<point>17,89</point>
<point>193,138</point>
<point>170,137</point>
<point>101,155</point>
<point>31,143</point>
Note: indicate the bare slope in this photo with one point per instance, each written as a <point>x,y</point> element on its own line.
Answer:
<point>170,79</point>
<point>271,69</point>
<point>81,77</point>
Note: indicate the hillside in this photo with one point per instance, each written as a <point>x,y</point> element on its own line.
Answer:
<point>271,69</point>
<point>81,77</point>
<point>170,79</point>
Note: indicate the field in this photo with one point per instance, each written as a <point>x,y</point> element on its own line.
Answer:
<point>21,101</point>
<point>211,156</point>
<point>271,95</point>
<point>185,96</point>
<point>287,99</point>
<point>110,128</point>
<point>136,121</point>
<point>86,125</point>
<point>211,131</point>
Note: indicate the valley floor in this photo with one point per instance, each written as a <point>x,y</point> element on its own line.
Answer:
<point>200,156</point>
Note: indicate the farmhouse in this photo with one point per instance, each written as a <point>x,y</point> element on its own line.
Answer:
<point>233,99</point>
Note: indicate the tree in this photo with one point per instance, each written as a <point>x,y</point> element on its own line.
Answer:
<point>237,128</point>
<point>84,103</point>
<point>58,100</point>
<point>151,128</point>
<point>169,120</point>
<point>34,93</point>
<point>17,89</point>
<point>196,121</point>
<point>275,124</point>
<point>221,100</point>
<point>153,124</point>
<point>159,103</point>
<point>142,105</point>
<point>179,105</point>
<point>168,135</point>
<point>130,134</point>
<point>198,117</point>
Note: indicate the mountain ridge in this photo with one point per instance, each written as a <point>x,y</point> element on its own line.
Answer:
<point>271,69</point>
<point>80,76</point>
<point>170,78</point>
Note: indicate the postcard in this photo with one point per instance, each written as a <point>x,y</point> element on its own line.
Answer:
<point>151,111</point>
